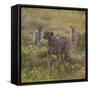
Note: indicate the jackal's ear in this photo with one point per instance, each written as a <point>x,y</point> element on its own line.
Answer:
<point>52,33</point>
<point>41,26</point>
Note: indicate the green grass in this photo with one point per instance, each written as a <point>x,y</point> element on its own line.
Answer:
<point>34,65</point>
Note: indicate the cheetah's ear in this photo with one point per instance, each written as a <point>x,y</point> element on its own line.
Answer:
<point>52,33</point>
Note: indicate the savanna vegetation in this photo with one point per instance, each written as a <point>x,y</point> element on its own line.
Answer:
<point>34,67</point>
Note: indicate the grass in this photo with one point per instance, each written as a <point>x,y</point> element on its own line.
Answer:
<point>34,65</point>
